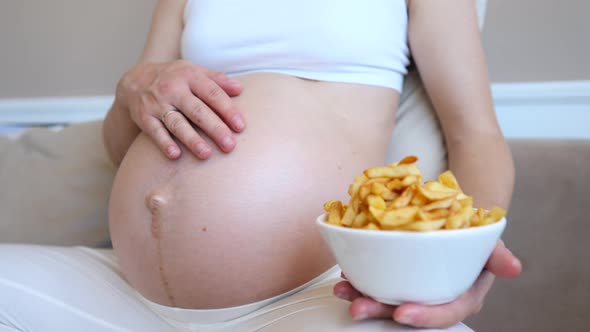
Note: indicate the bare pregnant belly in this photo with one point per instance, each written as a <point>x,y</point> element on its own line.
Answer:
<point>239,227</point>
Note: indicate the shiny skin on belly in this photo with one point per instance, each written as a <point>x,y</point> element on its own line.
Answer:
<point>239,227</point>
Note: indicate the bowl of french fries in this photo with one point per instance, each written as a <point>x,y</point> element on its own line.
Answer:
<point>401,240</point>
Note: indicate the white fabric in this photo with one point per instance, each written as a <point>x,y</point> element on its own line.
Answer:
<point>355,41</point>
<point>80,289</point>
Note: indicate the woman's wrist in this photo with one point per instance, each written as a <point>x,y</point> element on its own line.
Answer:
<point>119,129</point>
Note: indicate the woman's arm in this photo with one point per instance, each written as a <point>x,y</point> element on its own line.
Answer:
<point>445,43</point>
<point>162,95</point>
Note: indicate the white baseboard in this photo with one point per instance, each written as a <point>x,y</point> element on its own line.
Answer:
<point>53,110</point>
<point>544,109</point>
<point>525,110</point>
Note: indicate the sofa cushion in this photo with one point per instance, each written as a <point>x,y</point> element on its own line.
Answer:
<point>549,228</point>
<point>55,186</point>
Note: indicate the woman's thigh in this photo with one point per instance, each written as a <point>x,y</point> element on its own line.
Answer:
<point>68,289</point>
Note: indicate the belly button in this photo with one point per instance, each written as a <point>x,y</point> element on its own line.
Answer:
<point>155,203</point>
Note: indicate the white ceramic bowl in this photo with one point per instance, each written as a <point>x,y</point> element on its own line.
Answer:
<point>396,267</point>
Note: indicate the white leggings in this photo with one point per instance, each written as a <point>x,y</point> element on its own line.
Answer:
<point>45,288</point>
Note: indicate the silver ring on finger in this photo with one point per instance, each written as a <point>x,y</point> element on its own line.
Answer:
<point>163,117</point>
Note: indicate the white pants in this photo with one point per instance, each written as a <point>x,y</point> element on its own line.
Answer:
<point>45,288</point>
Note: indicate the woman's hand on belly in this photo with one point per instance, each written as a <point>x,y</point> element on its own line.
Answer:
<point>165,98</point>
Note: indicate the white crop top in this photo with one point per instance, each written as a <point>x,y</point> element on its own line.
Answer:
<point>328,40</point>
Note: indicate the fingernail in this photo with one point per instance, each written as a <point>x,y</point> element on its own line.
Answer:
<point>171,150</point>
<point>406,320</point>
<point>234,83</point>
<point>202,149</point>
<point>227,142</point>
<point>340,295</point>
<point>361,316</point>
<point>239,122</point>
<point>516,263</point>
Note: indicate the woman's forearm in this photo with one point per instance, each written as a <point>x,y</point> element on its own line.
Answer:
<point>483,166</point>
<point>118,131</point>
<point>446,45</point>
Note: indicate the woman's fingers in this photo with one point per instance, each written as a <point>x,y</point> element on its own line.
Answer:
<point>231,87</point>
<point>445,315</point>
<point>503,263</point>
<point>364,308</point>
<point>345,291</point>
<point>215,97</point>
<point>203,117</point>
<point>179,126</point>
<point>361,307</point>
<point>158,132</point>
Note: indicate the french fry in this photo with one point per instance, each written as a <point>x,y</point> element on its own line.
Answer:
<point>424,226</point>
<point>405,198</point>
<point>376,213</point>
<point>421,215</point>
<point>463,216</point>
<point>378,188</point>
<point>372,226</point>
<point>455,207</point>
<point>348,216</point>
<point>399,171</point>
<point>360,220</point>
<point>389,196</point>
<point>395,184</point>
<point>435,191</point>
<point>356,184</point>
<point>495,214</point>
<point>377,180</point>
<point>408,160</point>
<point>376,201</point>
<point>438,214</point>
<point>441,204</point>
<point>334,213</point>
<point>481,212</point>
<point>328,204</point>
<point>410,180</point>
<point>448,179</point>
<point>343,209</point>
<point>419,199</point>
<point>355,203</point>
<point>364,191</point>
<point>475,220</point>
<point>399,217</point>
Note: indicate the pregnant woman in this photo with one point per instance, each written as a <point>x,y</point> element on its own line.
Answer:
<point>239,121</point>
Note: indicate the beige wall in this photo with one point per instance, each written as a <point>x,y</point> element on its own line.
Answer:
<point>538,40</point>
<point>69,47</point>
<point>76,47</point>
